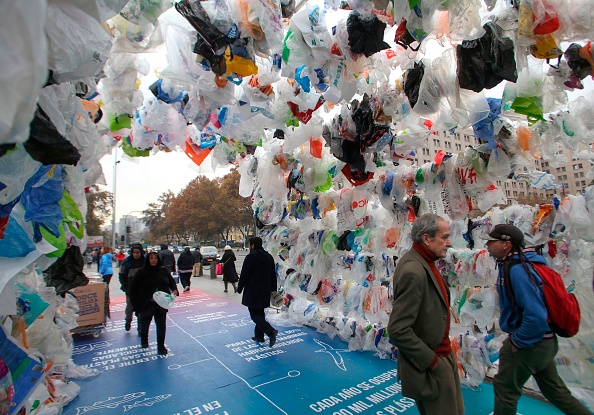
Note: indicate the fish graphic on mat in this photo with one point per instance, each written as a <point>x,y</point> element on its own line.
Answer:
<point>111,402</point>
<point>147,402</point>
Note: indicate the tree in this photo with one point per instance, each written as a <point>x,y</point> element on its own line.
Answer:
<point>155,218</point>
<point>237,209</point>
<point>99,203</point>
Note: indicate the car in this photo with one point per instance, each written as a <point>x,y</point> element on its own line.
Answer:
<point>210,255</point>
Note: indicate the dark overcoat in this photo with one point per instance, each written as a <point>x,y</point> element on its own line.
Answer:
<point>257,279</point>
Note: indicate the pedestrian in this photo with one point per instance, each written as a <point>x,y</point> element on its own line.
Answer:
<point>531,346</point>
<point>167,258</point>
<point>98,258</point>
<point>89,258</point>
<point>185,265</point>
<point>131,265</point>
<point>150,278</point>
<point>197,269</point>
<point>229,271</point>
<point>120,256</point>
<point>419,324</point>
<point>105,264</point>
<point>258,279</point>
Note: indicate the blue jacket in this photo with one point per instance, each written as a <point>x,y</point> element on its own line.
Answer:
<point>527,322</point>
<point>105,265</point>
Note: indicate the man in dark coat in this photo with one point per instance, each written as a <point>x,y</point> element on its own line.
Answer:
<point>167,258</point>
<point>258,279</point>
<point>185,265</point>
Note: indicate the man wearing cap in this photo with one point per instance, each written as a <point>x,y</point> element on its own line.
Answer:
<point>531,346</point>
<point>420,322</point>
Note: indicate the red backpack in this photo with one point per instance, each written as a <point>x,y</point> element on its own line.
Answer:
<point>563,308</point>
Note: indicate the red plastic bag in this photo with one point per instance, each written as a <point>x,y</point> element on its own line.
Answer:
<point>219,269</point>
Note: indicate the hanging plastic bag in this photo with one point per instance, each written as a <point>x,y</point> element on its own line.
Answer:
<point>211,42</point>
<point>24,66</point>
<point>47,145</point>
<point>485,62</point>
<point>69,57</point>
<point>366,34</point>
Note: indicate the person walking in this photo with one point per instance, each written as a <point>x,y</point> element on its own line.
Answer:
<point>167,258</point>
<point>150,278</point>
<point>258,279</point>
<point>531,346</point>
<point>106,264</point>
<point>120,256</point>
<point>185,265</point>
<point>229,270</point>
<point>197,269</point>
<point>89,258</point>
<point>419,324</point>
<point>131,265</point>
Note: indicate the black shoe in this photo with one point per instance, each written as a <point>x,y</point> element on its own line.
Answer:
<point>259,340</point>
<point>162,350</point>
<point>128,326</point>
<point>272,337</point>
<point>144,345</point>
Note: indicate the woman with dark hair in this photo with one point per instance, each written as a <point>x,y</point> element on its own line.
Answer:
<point>229,271</point>
<point>105,264</point>
<point>151,278</point>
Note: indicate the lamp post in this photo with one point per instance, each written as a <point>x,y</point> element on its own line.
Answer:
<point>113,198</point>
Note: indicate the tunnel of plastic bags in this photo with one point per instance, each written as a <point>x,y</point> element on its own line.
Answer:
<point>322,106</point>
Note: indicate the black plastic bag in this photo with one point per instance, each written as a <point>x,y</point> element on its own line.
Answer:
<point>211,42</point>
<point>365,36</point>
<point>581,67</point>
<point>412,83</point>
<point>483,63</point>
<point>66,273</point>
<point>47,145</point>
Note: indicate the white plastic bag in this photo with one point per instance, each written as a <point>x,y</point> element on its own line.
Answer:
<point>164,299</point>
<point>24,66</point>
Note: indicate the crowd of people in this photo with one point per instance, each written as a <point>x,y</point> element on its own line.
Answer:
<point>419,323</point>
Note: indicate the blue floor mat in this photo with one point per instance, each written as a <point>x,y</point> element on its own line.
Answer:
<point>213,367</point>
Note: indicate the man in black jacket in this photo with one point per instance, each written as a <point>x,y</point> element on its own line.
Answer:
<point>197,270</point>
<point>167,258</point>
<point>258,278</point>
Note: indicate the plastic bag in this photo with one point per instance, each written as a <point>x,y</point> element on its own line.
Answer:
<point>366,34</point>
<point>47,145</point>
<point>211,42</point>
<point>485,62</point>
<point>66,273</point>
<point>78,45</point>
<point>24,66</point>
<point>164,299</point>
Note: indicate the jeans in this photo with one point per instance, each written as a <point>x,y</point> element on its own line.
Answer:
<point>515,367</point>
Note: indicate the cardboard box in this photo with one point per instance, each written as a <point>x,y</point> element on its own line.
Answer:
<point>91,300</point>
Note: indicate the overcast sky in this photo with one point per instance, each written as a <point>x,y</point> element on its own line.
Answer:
<point>141,181</point>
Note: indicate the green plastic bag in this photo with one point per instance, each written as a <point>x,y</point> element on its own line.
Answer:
<point>72,216</point>
<point>57,242</point>
<point>531,107</point>
<point>133,151</point>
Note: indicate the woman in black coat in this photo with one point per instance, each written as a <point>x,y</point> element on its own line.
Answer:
<point>229,271</point>
<point>151,278</point>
